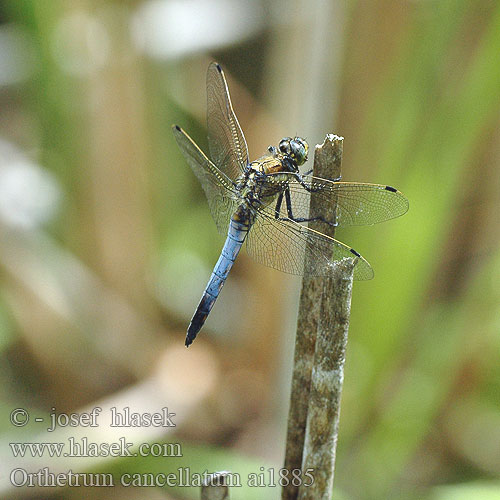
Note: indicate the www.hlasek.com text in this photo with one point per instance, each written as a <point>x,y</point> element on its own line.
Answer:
<point>84,448</point>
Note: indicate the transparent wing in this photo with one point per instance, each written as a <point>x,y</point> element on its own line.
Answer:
<point>228,148</point>
<point>296,249</point>
<point>218,188</point>
<point>358,203</point>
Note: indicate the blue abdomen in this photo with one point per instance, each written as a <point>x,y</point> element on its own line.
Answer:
<point>235,237</point>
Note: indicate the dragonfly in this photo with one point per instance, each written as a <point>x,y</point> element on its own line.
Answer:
<point>267,202</point>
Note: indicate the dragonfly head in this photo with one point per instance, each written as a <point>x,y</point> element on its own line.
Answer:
<point>296,148</point>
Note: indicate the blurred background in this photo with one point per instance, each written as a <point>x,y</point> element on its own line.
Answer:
<point>106,240</point>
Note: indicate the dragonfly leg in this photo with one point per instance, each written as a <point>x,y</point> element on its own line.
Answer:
<point>306,186</point>
<point>289,211</point>
<point>278,206</point>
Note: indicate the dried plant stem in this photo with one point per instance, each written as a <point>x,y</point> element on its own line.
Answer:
<point>326,384</point>
<point>321,301</point>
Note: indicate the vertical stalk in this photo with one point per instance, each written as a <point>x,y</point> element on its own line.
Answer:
<point>326,385</point>
<point>317,316</point>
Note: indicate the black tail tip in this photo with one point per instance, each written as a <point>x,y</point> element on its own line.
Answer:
<point>197,322</point>
<point>190,338</point>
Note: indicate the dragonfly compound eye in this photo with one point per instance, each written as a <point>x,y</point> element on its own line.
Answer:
<point>299,150</point>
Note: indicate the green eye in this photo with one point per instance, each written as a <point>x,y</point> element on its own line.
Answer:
<point>299,149</point>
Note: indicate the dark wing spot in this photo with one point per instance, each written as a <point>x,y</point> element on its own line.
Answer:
<point>217,65</point>
<point>389,188</point>
<point>177,127</point>
<point>355,253</point>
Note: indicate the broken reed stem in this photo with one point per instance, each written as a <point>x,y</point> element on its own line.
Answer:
<point>326,384</point>
<point>315,310</point>
<point>215,487</point>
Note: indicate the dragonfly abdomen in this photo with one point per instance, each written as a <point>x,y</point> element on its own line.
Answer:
<point>236,235</point>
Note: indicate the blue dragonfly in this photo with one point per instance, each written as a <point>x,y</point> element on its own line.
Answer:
<point>267,202</point>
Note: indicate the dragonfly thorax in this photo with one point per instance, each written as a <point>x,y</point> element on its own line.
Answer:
<point>255,188</point>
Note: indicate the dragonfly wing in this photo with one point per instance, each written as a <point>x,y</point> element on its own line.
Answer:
<point>218,188</point>
<point>357,203</point>
<point>295,249</point>
<point>228,148</point>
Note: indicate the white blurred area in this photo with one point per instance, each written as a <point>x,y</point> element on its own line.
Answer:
<point>29,194</point>
<point>168,29</point>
